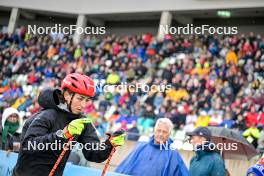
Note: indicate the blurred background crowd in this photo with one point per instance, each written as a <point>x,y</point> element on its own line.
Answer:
<point>215,80</point>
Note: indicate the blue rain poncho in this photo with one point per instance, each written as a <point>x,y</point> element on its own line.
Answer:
<point>149,159</point>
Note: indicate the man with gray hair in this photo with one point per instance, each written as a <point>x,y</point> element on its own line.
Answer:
<point>157,157</point>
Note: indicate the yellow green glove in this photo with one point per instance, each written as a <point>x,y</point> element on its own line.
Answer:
<point>75,127</point>
<point>118,138</point>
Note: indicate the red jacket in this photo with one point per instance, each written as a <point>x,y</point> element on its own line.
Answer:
<point>251,118</point>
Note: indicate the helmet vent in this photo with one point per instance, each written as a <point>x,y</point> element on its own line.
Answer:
<point>85,85</point>
<point>74,86</point>
<point>74,78</point>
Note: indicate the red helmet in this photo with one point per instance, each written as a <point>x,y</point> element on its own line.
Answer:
<point>79,83</point>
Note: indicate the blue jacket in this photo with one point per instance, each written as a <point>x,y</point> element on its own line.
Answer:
<point>207,163</point>
<point>227,123</point>
<point>149,159</point>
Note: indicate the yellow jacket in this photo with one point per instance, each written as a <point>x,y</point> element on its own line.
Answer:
<point>250,133</point>
<point>176,95</point>
<point>231,57</point>
<point>202,121</point>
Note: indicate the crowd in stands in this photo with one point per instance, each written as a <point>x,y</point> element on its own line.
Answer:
<point>214,80</point>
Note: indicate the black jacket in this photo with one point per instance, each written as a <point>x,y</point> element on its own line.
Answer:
<point>11,140</point>
<point>42,130</point>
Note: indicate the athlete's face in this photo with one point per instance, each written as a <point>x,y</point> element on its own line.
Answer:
<point>78,102</point>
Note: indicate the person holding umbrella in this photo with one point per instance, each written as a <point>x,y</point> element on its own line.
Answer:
<point>59,122</point>
<point>207,161</point>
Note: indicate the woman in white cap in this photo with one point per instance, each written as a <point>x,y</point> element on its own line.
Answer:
<point>12,124</point>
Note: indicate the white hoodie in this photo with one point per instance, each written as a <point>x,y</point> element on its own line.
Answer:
<point>7,112</point>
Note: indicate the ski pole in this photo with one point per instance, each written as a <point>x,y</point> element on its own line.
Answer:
<point>108,161</point>
<point>112,151</point>
<point>60,157</point>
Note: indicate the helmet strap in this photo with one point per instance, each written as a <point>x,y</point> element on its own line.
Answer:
<point>69,105</point>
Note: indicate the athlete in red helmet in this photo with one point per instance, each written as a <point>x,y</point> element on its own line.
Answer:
<point>80,87</point>
<point>61,119</point>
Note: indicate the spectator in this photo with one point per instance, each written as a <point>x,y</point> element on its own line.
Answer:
<point>228,122</point>
<point>231,57</point>
<point>147,119</point>
<point>206,161</point>
<point>251,117</point>
<point>190,121</point>
<point>202,120</point>
<point>240,124</point>
<point>133,133</point>
<point>257,169</point>
<point>159,162</point>
<point>252,134</point>
<point>261,142</point>
<point>12,124</point>
<point>209,73</point>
